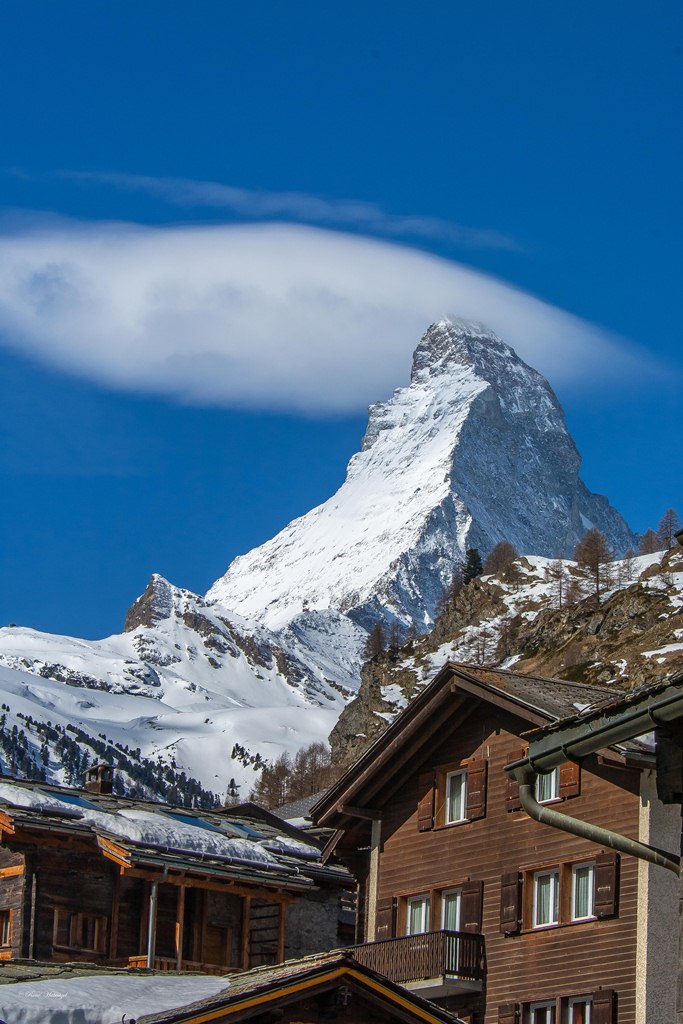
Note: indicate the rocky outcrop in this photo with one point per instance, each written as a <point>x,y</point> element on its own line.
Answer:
<point>634,636</point>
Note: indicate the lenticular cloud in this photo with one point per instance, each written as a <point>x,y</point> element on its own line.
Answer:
<point>261,316</point>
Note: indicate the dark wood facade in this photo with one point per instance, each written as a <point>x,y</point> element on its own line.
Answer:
<point>71,893</point>
<point>494,859</point>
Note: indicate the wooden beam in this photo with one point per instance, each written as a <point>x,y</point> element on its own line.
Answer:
<point>207,883</point>
<point>16,869</point>
<point>179,927</point>
<point>246,923</point>
<point>359,812</point>
<point>281,925</point>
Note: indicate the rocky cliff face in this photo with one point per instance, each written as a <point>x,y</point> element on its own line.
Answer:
<point>474,451</point>
<point>543,618</point>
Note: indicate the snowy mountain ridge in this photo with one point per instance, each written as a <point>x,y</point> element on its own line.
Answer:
<point>184,683</point>
<point>475,450</point>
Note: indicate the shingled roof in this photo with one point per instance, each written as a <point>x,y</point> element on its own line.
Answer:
<point>264,987</point>
<point>141,833</point>
<point>538,700</point>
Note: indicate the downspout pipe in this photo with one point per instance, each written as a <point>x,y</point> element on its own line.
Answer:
<point>526,776</point>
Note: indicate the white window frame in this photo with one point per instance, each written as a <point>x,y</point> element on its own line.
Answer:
<point>586,1002</point>
<point>5,927</point>
<point>548,1017</point>
<point>551,780</point>
<point>444,896</point>
<point>460,773</point>
<point>591,889</point>
<point>424,903</point>
<point>554,902</point>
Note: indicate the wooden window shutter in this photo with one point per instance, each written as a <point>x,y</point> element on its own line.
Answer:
<point>476,789</point>
<point>602,1010</point>
<point>385,919</point>
<point>510,902</point>
<point>471,902</point>
<point>606,884</point>
<point>508,1013</point>
<point>512,801</point>
<point>425,806</point>
<point>570,779</point>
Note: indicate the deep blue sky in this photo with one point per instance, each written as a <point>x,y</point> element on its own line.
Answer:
<point>555,125</point>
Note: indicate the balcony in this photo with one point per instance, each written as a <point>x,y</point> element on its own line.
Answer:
<point>435,963</point>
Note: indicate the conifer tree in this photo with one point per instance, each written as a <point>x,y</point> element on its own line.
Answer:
<point>473,566</point>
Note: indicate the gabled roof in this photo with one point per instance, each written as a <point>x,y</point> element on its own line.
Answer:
<point>145,835</point>
<point>618,719</point>
<point>255,992</point>
<point>449,699</point>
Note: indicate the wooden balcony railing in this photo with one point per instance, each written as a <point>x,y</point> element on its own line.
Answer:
<point>168,963</point>
<point>458,955</point>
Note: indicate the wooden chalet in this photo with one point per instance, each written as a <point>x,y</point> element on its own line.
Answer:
<point>467,899</point>
<point>333,988</point>
<point>85,875</point>
<point>660,706</point>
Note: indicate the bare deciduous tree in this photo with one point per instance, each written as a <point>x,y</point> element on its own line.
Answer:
<point>376,643</point>
<point>649,543</point>
<point>594,554</point>
<point>669,525</point>
<point>501,559</point>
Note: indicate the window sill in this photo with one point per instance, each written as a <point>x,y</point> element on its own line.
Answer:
<point>532,929</point>
<point>452,824</point>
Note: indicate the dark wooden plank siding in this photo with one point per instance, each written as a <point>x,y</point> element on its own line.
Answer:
<point>570,959</point>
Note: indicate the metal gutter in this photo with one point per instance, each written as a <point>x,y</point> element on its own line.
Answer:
<point>525,775</point>
<point>579,739</point>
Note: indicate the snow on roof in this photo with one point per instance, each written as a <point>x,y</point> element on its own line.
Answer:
<point>101,1000</point>
<point>149,827</point>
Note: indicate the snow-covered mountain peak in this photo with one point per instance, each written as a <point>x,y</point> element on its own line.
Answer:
<point>457,341</point>
<point>475,450</point>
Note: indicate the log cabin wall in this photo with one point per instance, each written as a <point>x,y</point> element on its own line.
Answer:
<point>73,905</point>
<point>527,965</point>
<point>12,898</point>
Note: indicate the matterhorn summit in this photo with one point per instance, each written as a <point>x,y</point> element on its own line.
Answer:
<point>475,450</point>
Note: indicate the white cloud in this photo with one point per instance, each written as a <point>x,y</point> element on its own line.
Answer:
<point>264,316</point>
<point>252,204</point>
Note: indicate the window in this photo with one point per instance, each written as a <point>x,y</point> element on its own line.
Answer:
<point>560,894</point>
<point>548,786</point>
<point>583,892</point>
<point>579,1010</point>
<point>546,899</point>
<point>451,901</point>
<point>73,930</point>
<point>541,1013</point>
<point>456,797</point>
<point>417,917</point>
<point>5,927</point>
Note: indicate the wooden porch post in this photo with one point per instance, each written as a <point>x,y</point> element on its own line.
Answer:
<point>373,877</point>
<point>152,927</point>
<point>281,933</point>
<point>114,927</point>
<point>246,921</point>
<point>179,927</point>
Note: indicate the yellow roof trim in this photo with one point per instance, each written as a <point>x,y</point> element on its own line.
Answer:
<point>301,986</point>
